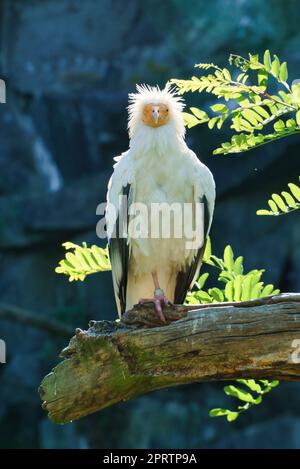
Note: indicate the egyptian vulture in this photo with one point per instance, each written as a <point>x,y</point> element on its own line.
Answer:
<point>158,170</point>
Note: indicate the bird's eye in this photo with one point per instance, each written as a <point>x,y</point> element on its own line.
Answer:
<point>167,110</point>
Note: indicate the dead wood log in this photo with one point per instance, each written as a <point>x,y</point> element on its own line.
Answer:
<point>115,361</point>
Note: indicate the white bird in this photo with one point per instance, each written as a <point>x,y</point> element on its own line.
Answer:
<point>158,168</point>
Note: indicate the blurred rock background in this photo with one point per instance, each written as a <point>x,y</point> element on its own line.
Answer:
<point>69,66</point>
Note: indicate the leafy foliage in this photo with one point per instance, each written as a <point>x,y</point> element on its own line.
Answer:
<point>239,286</point>
<point>81,261</point>
<point>257,116</point>
<point>284,203</point>
<point>252,395</point>
<point>250,108</point>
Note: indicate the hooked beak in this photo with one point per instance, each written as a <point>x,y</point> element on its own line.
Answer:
<point>155,114</point>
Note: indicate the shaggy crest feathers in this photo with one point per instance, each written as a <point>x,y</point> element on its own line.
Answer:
<point>153,94</point>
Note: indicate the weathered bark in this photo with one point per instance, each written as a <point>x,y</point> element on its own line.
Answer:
<point>114,361</point>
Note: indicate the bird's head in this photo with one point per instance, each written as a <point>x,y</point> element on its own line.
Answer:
<point>155,114</point>
<point>153,108</point>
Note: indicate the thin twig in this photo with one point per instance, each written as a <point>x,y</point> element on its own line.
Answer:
<point>14,313</point>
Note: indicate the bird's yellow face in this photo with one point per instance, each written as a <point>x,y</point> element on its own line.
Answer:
<point>155,115</point>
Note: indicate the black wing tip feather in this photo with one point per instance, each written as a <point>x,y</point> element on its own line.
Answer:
<point>185,279</point>
<point>118,245</point>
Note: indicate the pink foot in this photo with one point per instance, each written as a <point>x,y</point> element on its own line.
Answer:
<point>159,301</point>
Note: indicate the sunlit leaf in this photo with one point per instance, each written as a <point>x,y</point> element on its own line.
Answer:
<point>283,72</point>
<point>239,393</point>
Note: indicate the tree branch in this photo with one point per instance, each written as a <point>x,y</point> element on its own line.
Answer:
<point>13,313</point>
<point>114,361</point>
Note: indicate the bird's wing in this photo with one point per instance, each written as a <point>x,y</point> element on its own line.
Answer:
<point>204,192</point>
<point>119,185</point>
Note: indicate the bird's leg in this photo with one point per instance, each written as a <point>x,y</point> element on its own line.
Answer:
<point>159,299</point>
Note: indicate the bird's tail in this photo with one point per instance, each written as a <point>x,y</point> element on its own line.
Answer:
<point>141,286</point>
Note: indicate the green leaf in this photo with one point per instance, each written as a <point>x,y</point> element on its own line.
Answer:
<point>83,261</point>
<point>246,293</point>
<point>212,122</point>
<point>101,257</point>
<point>219,108</point>
<point>260,110</point>
<point>238,265</point>
<point>218,262</point>
<point>258,400</point>
<point>267,60</point>
<point>202,280</point>
<point>295,190</point>
<point>225,276</point>
<point>251,116</point>
<point>283,72</point>
<point>201,115</point>
<point>229,291</point>
<point>256,290</point>
<point>279,125</point>
<point>273,206</point>
<point>231,416</point>
<point>267,290</point>
<point>289,199</point>
<point>264,212</point>
<point>228,257</point>
<point>218,412</point>
<point>190,120</point>
<point>251,384</point>
<point>262,78</point>
<point>216,294</point>
<point>275,68</point>
<point>284,203</point>
<point>191,299</point>
<point>226,74</point>
<point>207,252</point>
<point>203,297</point>
<point>291,124</point>
<point>74,261</point>
<point>237,288</point>
<point>279,202</point>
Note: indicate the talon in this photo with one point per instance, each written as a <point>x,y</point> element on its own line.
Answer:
<point>159,301</point>
<point>166,301</point>
<point>158,308</point>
